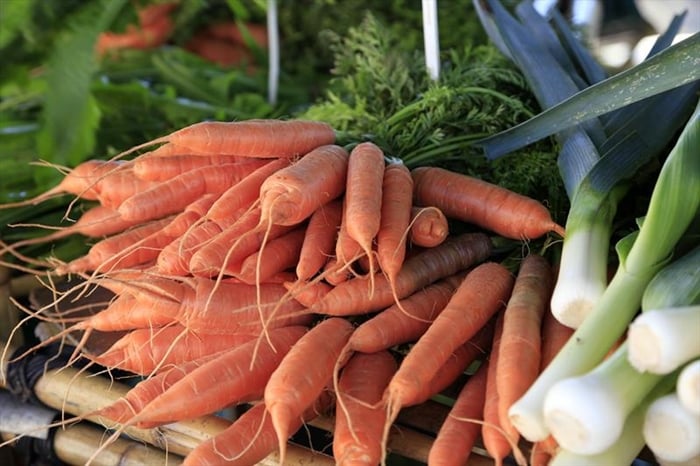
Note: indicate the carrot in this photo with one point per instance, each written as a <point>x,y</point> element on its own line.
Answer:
<point>480,295</point>
<point>358,424</point>
<point>519,353</point>
<point>429,227</point>
<point>172,196</point>
<point>455,439</point>
<point>152,167</point>
<point>154,13</point>
<point>292,194</point>
<point>221,381</point>
<point>251,437</point>
<point>142,351</point>
<point>188,217</point>
<point>264,138</point>
<point>154,29</point>
<point>319,239</point>
<point>363,197</point>
<point>395,217</point>
<point>347,250</point>
<point>280,254</point>
<point>222,52</point>
<point>487,205</point>
<point>396,325</point>
<point>307,293</point>
<point>135,246</point>
<point>554,336</point>
<point>303,374</point>
<point>455,254</point>
<point>231,31</point>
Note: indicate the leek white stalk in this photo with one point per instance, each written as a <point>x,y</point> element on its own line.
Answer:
<point>688,387</point>
<point>586,414</point>
<point>671,432</point>
<point>673,206</point>
<point>431,41</point>
<point>662,340</point>
<point>273,40</point>
<point>630,442</point>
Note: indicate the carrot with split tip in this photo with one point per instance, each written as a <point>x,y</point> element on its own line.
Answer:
<point>481,294</point>
<point>250,438</point>
<point>397,189</point>
<point>138,245</point>
<point>280,254</point>
<point>363,197</point>
<point>396,325</point>
<point>520,350</point>
<point>168,197</point>
<point>152,167</point>
<point>291,194</point>
<point>144,350</point>
<point>457,435</point>
<point>429,227</point>
<point>319,239</point>
<point>487,205</point>
<point>263,138</point>
<point>360,416</point>
<point>235,374</point>
<point>302,375</point>
<point>454,255</point>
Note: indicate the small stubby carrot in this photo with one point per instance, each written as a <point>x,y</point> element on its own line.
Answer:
<point>397,188</point>
<point>456,254</point>
<point>429,227</point>
<point>457,435</point>
<point>484,204</point>
<point>479,297</point>
<point>168,197</point>
<point>302,375</point>
<point>396,325</point>
<point>520,349</point>
<point>235,374</point>
<point>152,167</point>
<point>291,194</point>
<point>319,240</point>
<point>144,350</point>
<point>360,415</point>
<point>279,254</point>
<point>260,138</point>
<point>363,196</point>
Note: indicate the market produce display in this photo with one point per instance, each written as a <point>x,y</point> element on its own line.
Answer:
<point>378,250</point>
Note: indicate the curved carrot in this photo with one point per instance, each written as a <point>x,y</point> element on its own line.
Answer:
<point>360,417</point>
<point>520,349</point>
<point>280,254</point>
<point>302,375</point>
<point>152,167</point>
<point>487,205</point>
<point>455,254</point>
<point>454,441</point>
<point>227,379</point>
<point>319,239</point>
<point>429,227</point>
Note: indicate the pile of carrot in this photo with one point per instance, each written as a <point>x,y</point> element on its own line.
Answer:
<point>259,262</point>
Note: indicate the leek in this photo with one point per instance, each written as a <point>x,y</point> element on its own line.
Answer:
<point>673,206</point>
<point>688,387</point>
<point>671,432</point>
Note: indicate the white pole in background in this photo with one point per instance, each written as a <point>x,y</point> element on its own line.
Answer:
<point>273,40</point>
<point>430,38</point>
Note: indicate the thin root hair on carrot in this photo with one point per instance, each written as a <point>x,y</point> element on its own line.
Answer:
<point>518,454</point>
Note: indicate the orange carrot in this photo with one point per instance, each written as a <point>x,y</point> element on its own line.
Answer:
<point>429,227</point>
<point>142,351</point>
<point>280,254</point>
<point>519,353</point>
<point>172,196</point>
<point>292,194</point>
<point>458,253</point>
<point>307,293</point>
<point>456,437</point>
<point>554,336</point>
<point>396,325</point>
<point>347,250</point>
<point>158,168</point>
<point>360,417</point>
<point>302,375</point>
<point>394,220</point>
<point>227,379</point>
<point>264,138</point>
<point>484,204</point>
<point>230,31</point>
<point>363,197</point>
<point>192,213</point>
<point>319,239</point>
<point>222,52</point>
<point>480,295</point>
